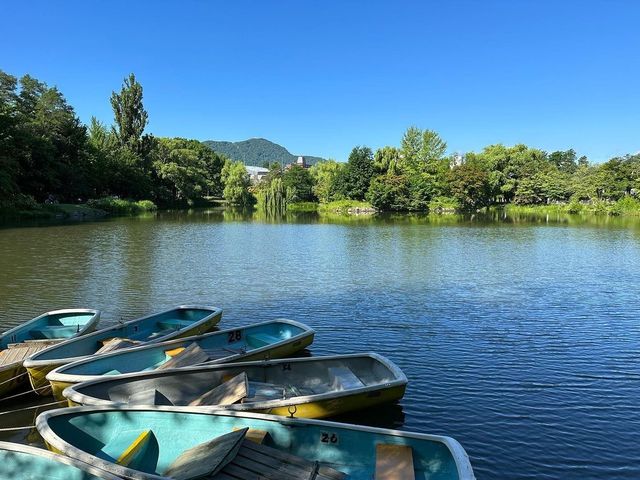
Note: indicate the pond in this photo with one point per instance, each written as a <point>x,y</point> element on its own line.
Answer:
<point>519,336</point>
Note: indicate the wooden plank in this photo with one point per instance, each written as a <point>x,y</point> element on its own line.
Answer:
<point>192,355</point>
<point>148,397</point>
<point>222,352</point>
<point>274,453</point>
<point>116,343</point>
<point>270,467</point>
<point>14,355</point>
<point>206,458</point>
<point>257,436</point>
<point>394,462</point>
<point>228,393</point>
<point>51,341</point>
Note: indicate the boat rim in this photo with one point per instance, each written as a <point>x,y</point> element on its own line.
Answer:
<point>460,456</point>
<point>33,361</point>
<point>58,375</point>
<point>73,394</point>
<point>74,462</point>
<point>94,313</point>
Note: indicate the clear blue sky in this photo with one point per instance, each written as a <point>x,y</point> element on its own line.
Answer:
<point>322,77</point>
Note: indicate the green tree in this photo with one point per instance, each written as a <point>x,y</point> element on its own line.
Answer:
<point>325,175</point>
<point>10,150</point>
<point>51,141</point>
<point>130,115</point>
<point>387,160</point>
<point>353,181</point>
<point>134,156</point>
<point>564,161</point>
<point>188,170</point>
<point>274,197</point>
<point>390,192</point>
<point>299,179</point>
<point>236,183</point>
<point>470,186</point>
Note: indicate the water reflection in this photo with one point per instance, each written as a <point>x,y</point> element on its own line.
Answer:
<point>518,333</point>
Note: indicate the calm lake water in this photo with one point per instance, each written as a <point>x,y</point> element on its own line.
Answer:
<point>520,337</point>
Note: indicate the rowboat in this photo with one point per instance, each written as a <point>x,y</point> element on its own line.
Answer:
<point>153,443</point>
<point>316,387</point>
<point>177,322</point>
<point>22,462</point>
<point>271,339</point>
<point>33,336</point>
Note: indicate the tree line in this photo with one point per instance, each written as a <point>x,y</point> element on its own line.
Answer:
<point>48,155</point>
<point>418,175</point>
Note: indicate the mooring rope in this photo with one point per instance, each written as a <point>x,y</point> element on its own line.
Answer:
<point>25,393</point>
<point>27,427</point>
<point>13,429</point>
<point>18,410</point>
<point>13,378</point>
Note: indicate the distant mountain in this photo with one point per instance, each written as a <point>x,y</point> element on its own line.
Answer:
<point>257,151</point>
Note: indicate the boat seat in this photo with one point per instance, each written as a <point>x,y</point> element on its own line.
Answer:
<point>191,355</point>
<point>127,447</point>
<point>394,462</point>
<point>264,392</point>
<point>257,340</point>
<point>206,459</point>
<point>148,397</point>
<point>115,343</point>
<point>223,352</point>
<point>173,352</point>
<point>161,333</point>
<point>342,378</point>
<point>54,331</point>
<point>255,435</point>
<point>173,324</point>
<point>255,460</point>
<point>227,393</point>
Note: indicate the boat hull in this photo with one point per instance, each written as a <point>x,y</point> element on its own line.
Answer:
<point>11,377</point>
<point>22,462</point>
<point>38,369</point>
<point>337,406</point>
<point>282,351</point>
<point>350,449</point>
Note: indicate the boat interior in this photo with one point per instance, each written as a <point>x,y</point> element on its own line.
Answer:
<point>131,333</point>
<point>209,348</point>
<point>275,381</point>
<point>229,447</point>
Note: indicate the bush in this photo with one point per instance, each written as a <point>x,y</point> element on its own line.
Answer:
<point>444,205</point>
<point>626,206</point>
<point>119,206</point>
<point>574,207</point>
<point>302,207</point>
<point>346,207</point>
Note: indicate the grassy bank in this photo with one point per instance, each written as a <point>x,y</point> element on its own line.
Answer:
<point>626,206</point>
<point>26,210</point>
<point>119,206</point>
<point>303,207</point>
<point>346,207</point>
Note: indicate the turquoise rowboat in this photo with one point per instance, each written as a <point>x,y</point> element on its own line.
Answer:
<point>25,340</point>
<point>271,339</point>
<point>22,462</point>
<point>146,443</point>
<point>177,322</point>
<point>316,387</point>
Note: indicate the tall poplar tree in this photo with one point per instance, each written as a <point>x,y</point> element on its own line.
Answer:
<point>130,116</point>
